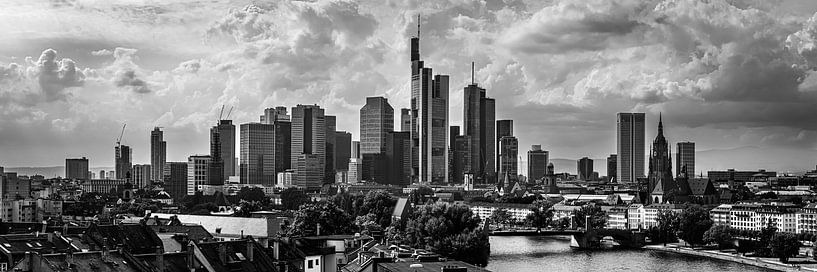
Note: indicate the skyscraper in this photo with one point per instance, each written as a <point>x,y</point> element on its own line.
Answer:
<point>124,163</point>
<point>612,160</point>
<point>355,164</point>
<point>330,124</point>
<point>584,169</point>
<point>75,169</point>
<point>308,146</point>
<point>685,159</point>
<point>226,135</point>
<point>376,120</point>
<point>429,120</point>
<point>258,154</point>
<point>479,118</point>
<point>537,163</point>
<point>158,154</point>
<point>398,158</point>
<point>197,172</point>
<point>508,154</point>
<point>405,120</point>
<point>503,128</point>
<point>343,150</point>
<point>215,172</point>
<point>630,146</point>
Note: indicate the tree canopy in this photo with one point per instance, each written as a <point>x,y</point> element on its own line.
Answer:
<point>331,218</point>
<point>380,204</point>
<point>598,218</point>
<point>722,235</point>
<point>541,214</point>
<point>693,222</point>
<point>784,245</point>
<point>451,230</point>
<point>293,198</point>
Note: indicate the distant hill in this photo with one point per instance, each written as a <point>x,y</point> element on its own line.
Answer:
<point>48,171</point>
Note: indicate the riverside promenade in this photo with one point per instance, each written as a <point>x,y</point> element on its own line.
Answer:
<point>768,263</point>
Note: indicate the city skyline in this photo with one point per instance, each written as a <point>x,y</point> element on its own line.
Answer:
<point>182,88</point>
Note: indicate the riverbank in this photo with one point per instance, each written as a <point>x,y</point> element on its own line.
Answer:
<point>767,263</point>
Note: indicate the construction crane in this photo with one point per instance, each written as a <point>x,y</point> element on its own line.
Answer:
<point>229,112</point>
<point>119,140</point>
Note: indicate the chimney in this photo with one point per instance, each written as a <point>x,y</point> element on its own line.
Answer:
<point>160,258</point>
<point>318,232</point>
<point>104,249</point>
<point>50,237</point>
<point>190,255</point>
<point>65,229</point>
<point>250,248</point>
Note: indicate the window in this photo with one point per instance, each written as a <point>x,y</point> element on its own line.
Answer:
<point>318,262</point>
<point>309,264</point>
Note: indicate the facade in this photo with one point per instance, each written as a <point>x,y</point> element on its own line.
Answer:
<point>175,179</point>
<point>284,180</point>
<point>343,150</point>
<point>405,120</point>
<point>376,120</point>
<point>479,118</point>
<point>355,173</point>
<point>616,217</point>
<point>398,158</point>
<point>258,156</point>
<point>330,124</point>
<point>630,147</point>
<point>519,212</point>
<point>742,176</point>
<point>197,172</point>
<point>429,121</point>
<point>124,164</point>
<point>77,169</point>
<point>612,160</point>
<point>503,128</point>
<point>508,156</point>
<point>141,175</point>
<point>158,154</point>
<point>308,146</point>
<point>685,159</point>
<point>537,163</point>
<point>807,219</point>
<point>756,216</point>
<point>721,215</point>
<point>584,168</point>
<point>103,186</point>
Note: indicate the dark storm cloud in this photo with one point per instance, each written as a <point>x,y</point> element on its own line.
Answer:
<point>128,79</point>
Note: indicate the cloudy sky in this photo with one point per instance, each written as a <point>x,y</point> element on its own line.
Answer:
<point>736,77</point>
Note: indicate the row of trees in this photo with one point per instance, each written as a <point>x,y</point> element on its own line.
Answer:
<point>694,226</point>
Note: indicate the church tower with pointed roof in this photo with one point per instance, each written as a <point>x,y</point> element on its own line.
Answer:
<point>662,186</point>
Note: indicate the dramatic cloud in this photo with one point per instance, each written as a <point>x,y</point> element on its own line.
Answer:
<point>725,74</point>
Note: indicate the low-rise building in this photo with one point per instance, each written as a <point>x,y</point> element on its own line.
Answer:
<point>519,212</point>
<point>807,219</point>
<point>616,216</point>
<point>720,215</point>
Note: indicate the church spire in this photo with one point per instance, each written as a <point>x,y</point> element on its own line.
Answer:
<point>660,125</point>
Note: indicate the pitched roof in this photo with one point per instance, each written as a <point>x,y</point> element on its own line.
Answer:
<point>425,266</point>
<point>89,261</point>
<point>236,256</point>
<point>227,225</point>
<point>400,208</point>
<point>137,239</point>
<point>701,187</point>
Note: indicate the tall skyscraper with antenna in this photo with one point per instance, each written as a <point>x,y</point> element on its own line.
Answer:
<point>479,118</point>
<point>429,119</point>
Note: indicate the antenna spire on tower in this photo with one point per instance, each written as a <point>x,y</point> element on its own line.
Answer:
<point>418,25</point>
<point>472,73</point>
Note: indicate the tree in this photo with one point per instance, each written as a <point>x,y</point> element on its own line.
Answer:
<point>784,245</point>
<point>367,224</point>
<point>667,226</point>
<point>500,216</point>
<point>541,214</point>
<point>246,208</point>
<point>380,204</point>
<point>598,218</point>
<point>421,195</point>
<point>720,235</point>
<point>693,222</point>
<point>252,194</point>
<point>450,230</point>
<point>293,198</point>
<point>330,217</point>
<point>349,202</point>
<point>765,236</point>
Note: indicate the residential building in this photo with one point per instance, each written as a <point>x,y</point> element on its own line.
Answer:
<point>158,155</point>
<point>685,157</point>
<point>537,163</point>
<point>630,147</point>
<point>519,212</point>
<point>76,168</point>
<point>616,216</point>
<point>429,120</point>
<point>103,186</point>
<point>197,172</point>
<point>807,219</point>
<point>721,215</point>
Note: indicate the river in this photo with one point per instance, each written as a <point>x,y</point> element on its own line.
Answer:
<point>553,253</point>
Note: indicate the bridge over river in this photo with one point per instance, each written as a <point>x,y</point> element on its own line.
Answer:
<point>584,239</point>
